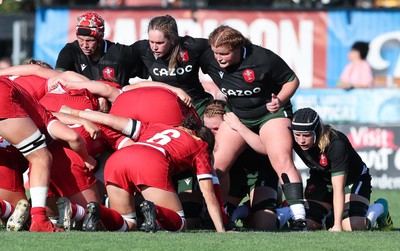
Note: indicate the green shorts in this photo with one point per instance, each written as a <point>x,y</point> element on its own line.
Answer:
<point>185,181</point>
<point>200,106</point>
<point>257,123</point>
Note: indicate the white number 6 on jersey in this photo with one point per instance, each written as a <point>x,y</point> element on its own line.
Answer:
<point>163,138</point>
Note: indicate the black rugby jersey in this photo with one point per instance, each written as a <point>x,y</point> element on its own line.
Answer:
<point>249,84</point>
<point>339,158</point>
<point>186,73</point>
<point>118,63</point>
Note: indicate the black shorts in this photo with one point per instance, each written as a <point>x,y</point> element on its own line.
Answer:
<point>320,191</point>
<point>251,170</point>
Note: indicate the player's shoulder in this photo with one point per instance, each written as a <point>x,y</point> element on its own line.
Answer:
<point>71,47</point>
<point>141,44</point>
<point>188,42</point>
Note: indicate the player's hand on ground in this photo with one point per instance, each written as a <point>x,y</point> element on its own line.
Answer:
<point>335,228</point>
<point>233,121</point>
<point>274,105</point>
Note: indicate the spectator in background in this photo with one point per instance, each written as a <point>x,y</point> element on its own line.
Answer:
<point>5,62</point>
<point>358,73</point>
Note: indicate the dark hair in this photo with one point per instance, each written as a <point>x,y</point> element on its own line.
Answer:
<point>362,48</point>
<point>167,25</point>
<point>201,131</point>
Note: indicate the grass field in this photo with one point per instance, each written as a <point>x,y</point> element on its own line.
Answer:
<point>205,240</point>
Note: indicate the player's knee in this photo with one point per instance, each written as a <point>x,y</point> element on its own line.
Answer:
<point>354,209</point>
<point>268,204</point>
<point>32,143</point>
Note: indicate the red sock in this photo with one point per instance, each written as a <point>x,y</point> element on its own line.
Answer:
<point>168,219</point>
<point>3,207</point>
<point>217,190</point>
<point>111,219</point>
<point>38,214</point>
<point>74,209</point>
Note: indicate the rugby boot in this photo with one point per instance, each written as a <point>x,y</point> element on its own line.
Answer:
<point>64,213</point>
<point>149,212</point>
<point>298,225</point>
<point>92,217</point>
<point>19,216</point>
<point>384,221</point>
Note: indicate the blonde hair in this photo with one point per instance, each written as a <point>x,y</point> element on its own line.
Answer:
<point>167,25</point>
<point>324,139</point>
<point>37,62</point>
<point>227,36</point>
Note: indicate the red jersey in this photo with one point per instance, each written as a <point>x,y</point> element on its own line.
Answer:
<point>35,85</point>
<point>152,104</point>
<point>78,99</point>
<point>185,150</point>
<point>83,99</point>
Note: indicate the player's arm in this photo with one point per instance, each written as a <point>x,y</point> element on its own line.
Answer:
<point>181,93</point>
<point>338,184</point>
<point>251,138</point>
<point>207,189</point>
<point>31,69</point>
<point>93,130</point>
<point>60,131</point>
<point>125,125</point>
<point>284,95</point>
<point>95,87</point>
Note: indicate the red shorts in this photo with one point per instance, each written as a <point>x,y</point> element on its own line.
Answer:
<point>138,165</point>
<point>10,108</point>
<point>151,104</point>
<point>68,173</point>
<point>12,166</point>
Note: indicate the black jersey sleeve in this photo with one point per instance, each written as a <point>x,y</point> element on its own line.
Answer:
<point>279,72</point>
<point>338,156</point>
<point>66,58</point>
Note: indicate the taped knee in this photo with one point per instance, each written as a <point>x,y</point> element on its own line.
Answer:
<point>316,211</point>
<point>354,208</point>
<point>192,209</point>
<point>268,204</point>
<point>34,142</point>
<point>293,192</point>
<point>130,218</point>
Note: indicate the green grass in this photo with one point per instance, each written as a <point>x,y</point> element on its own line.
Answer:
<point>206,240</point>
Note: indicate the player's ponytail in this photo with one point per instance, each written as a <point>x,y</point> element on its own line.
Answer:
<point>201,131</point>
